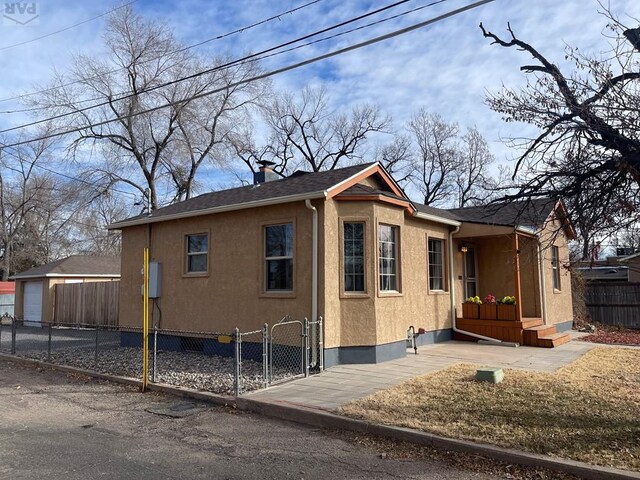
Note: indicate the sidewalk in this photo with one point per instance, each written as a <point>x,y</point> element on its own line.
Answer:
<point>342,384</point>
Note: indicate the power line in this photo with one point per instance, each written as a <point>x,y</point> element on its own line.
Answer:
<point>7,47</point>
<point>64,175</point>
<point>241,61</point>
<point>189,47</point>
<point>272,73</point>
<point>238,62</point>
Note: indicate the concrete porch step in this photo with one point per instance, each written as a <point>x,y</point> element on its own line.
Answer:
<point>550,341</point>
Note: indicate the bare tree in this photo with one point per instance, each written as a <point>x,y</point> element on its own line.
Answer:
<point>157,153</point>
<point>90,226</point>
<point>473,183</point>
<point>588,144</point>
<point>437,156</point>
<point>35,207</point>
<point>397,158</point>
<point>307,134</point>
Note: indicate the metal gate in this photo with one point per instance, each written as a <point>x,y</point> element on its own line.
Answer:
<point>295,349</point>
<point>287,344</point>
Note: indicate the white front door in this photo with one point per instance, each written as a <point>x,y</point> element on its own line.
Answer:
<point>32,304</point>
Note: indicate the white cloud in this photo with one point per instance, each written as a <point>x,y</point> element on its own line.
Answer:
<point>446,67</point>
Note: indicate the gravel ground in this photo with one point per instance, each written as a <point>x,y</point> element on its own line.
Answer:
<point>207,373</point>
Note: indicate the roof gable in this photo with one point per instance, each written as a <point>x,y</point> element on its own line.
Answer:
<point>326,184</point>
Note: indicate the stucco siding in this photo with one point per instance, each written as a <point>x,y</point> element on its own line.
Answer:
<point>559,302</point>
<point>232,293</point>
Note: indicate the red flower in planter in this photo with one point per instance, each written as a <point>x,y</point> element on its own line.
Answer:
<point>490,298</point>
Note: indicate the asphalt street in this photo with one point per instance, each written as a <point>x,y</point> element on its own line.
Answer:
<point>55,425</point>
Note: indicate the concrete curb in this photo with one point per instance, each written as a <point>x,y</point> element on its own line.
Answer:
<point>320,418</point>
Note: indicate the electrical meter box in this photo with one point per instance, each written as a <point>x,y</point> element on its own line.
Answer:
<point>155,279</point>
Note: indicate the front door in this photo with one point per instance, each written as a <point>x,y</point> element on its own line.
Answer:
<point>470,280</point>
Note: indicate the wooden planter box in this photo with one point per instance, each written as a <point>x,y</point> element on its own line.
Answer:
<point>507,312</point>
<point>470,310</point>
<point>488,311</point>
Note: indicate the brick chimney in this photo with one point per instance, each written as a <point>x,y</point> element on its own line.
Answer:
<point>265,173</point>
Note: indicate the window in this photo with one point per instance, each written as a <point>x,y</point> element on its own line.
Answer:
<point>388,257</point>
<point>353,251</point>
<point>278,254</point>
<point>555,267</point>
<point>436,264</point>
<point>197,253</point>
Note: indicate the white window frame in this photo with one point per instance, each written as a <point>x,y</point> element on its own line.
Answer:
<point>189,254</point>
<point>280,257</point>
<point>364,256</point>
<point>443,263</point>
<point>395,274</point>
<point>555,267</point>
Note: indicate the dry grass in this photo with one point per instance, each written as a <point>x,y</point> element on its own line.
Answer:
<point>587,411</point>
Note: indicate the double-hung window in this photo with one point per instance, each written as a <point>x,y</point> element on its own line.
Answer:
<point>436,264</point>
<point>353,251</point>
<point>197,253</point>
<point>388,257</point>
<point>278,256</point>
<point>555,267</point>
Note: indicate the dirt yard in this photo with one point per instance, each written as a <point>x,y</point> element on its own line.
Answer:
<point>587,411</point>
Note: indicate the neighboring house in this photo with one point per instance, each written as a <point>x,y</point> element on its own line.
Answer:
<point>7,298</point>
<point>632,262</point>
<point>349,246</point>
<point>611,269</point>
<point>35,288</point>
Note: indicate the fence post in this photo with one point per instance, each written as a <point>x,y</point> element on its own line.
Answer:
<point>155,351</point>
<point>321,343</point>
<point>13,336</point>
<point>265,355</point>
<point>306,350</point>
<point>95,360</point>
<point>237,354</point>
<point>49,344</point>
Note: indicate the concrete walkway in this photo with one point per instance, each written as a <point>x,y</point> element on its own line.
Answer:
<point>344,383</point>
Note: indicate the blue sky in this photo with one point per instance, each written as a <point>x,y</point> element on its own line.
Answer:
<point>446,68</point>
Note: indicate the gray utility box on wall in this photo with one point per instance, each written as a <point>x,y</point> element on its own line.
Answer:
<point>155,278</point>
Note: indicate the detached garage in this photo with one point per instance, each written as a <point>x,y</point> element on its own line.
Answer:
<point>35,288</point>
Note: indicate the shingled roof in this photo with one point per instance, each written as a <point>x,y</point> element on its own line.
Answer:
<point>75,266</point>
<point>437,212</point>
<point>312,185</point>
<point>520,213</point>
<point>302,186</point>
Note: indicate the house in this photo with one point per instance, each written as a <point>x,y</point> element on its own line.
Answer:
<point>349,246</point>
<point>7,298</point>
<point>632,263</point>
<point>622,267</point>
<point>35,288</point>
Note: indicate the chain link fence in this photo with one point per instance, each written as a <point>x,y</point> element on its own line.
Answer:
<point>234,363</point>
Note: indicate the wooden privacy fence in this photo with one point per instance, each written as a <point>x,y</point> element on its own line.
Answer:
<point>90,303</point>
<point>614,303</point>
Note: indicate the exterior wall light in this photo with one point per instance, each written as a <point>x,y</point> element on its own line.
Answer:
<point>463,248</point>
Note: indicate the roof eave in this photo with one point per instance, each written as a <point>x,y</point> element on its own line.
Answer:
<point>221,209</point>
<point>66,275</point>
<point>436,219</point>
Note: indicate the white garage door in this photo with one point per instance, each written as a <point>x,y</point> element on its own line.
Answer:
<point>32,303</point>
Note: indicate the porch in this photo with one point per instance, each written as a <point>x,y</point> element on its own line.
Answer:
<point>528,331</point>
<point>506,264</point>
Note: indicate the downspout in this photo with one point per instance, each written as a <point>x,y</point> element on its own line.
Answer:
<point>543,283</point>
<point>452,298</point>
<point>314,261</point>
